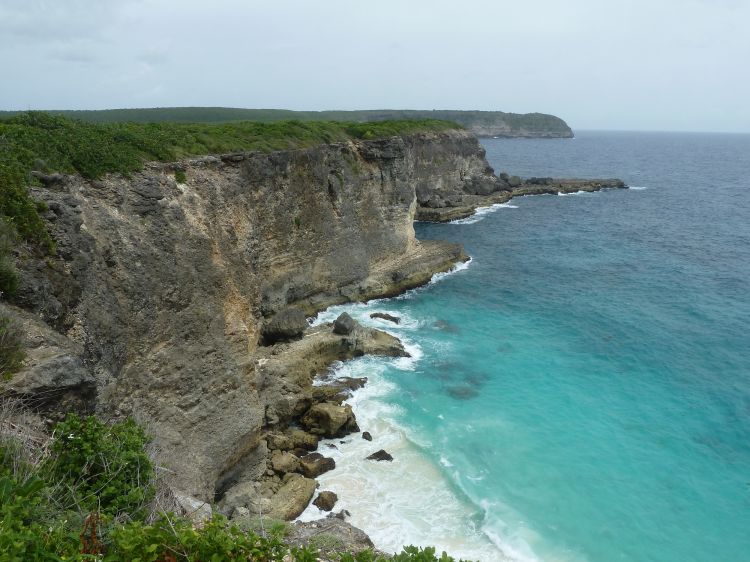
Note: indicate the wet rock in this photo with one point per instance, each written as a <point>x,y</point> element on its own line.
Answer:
<point>351,383</point>
<point>325,500</point>
<point>315,464</point>
<point>386,316</point>
<point>366,436</point>
<point>343,514</point>
<point>380,455</point>
<point>287,324</point>
<point>330,420</point>
<point>344,324</point>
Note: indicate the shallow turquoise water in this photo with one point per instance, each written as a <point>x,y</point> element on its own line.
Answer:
<point>585,383</point>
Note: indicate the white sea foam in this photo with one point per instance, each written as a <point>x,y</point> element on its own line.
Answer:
<point>361,311</point>
<point>637,187</point>
<point>580,192</point>
<point>481,212</point>
<point>409,500</point>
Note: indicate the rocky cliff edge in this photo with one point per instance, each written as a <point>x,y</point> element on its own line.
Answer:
<point>156,300</point>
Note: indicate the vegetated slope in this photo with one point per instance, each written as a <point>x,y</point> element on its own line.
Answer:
<point>481,123</point>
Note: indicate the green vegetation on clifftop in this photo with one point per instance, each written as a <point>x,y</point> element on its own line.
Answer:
<point>52,143</point>
<point>483,123</point>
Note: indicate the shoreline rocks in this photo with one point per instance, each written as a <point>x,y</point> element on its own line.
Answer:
<point>380,455</point>
<point>466,205</point>
<point>386,316</point>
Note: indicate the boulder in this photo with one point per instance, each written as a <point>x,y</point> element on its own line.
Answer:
<point>344,324</point>
<point>325,500</point>
<point>286,325</point>
<point>514,181</point>
<point>366,436</point>
<point>345,537</point>
<point>386,316</point>
<point>330,420</point>
<point>380,455</point>
<point>315,464</point>
<point>292,498</point>
<point>283,462</point>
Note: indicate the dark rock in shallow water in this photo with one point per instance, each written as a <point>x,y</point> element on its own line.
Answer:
<point>344,324</point>
<point>288,324</point>
<point>352,383</point>
<point>343,514</point>
<point>380,455</point>
<point>446,327</point>
<point>462,392</point>
<point>386,316</point>
<point>315,464</point>
<point>326,500</point>
<point>366,436</point>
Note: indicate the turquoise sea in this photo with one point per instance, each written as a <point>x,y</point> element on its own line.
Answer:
<point>580,391</point>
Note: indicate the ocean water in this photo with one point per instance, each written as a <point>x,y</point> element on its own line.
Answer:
<point>580,391</point>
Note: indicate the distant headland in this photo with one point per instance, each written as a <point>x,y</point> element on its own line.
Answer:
<point>481,123</point>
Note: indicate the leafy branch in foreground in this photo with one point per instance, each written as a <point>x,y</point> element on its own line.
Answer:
<point>80,496</point>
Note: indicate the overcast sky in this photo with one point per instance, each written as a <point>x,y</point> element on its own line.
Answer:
<point>598,64</point>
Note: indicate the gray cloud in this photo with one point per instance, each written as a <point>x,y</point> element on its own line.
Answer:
<point>628,64</point>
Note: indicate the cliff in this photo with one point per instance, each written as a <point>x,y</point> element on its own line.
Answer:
<point>156,299</point>
<point>481,123</point>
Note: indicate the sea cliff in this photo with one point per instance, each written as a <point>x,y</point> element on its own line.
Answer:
<point>178,294</point>
<point>155,303</point>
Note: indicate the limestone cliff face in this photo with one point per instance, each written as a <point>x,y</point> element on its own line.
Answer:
<point>154,304</point>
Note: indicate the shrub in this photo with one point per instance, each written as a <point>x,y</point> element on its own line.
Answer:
<point>24,534</point>
<point>171,538</point>
<point>11,348</point>
<point>8,274</point>
<point>180,176</point>
<point>98,467</point>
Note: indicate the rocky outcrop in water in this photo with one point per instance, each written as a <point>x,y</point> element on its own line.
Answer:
<point>460,205</point>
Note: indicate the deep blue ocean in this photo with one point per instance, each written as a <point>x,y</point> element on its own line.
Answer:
<point>580,391</point>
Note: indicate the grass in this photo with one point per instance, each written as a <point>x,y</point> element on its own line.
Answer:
<point>53,143</point>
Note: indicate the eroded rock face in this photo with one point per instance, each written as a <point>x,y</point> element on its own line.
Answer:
<point>160,291</point>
